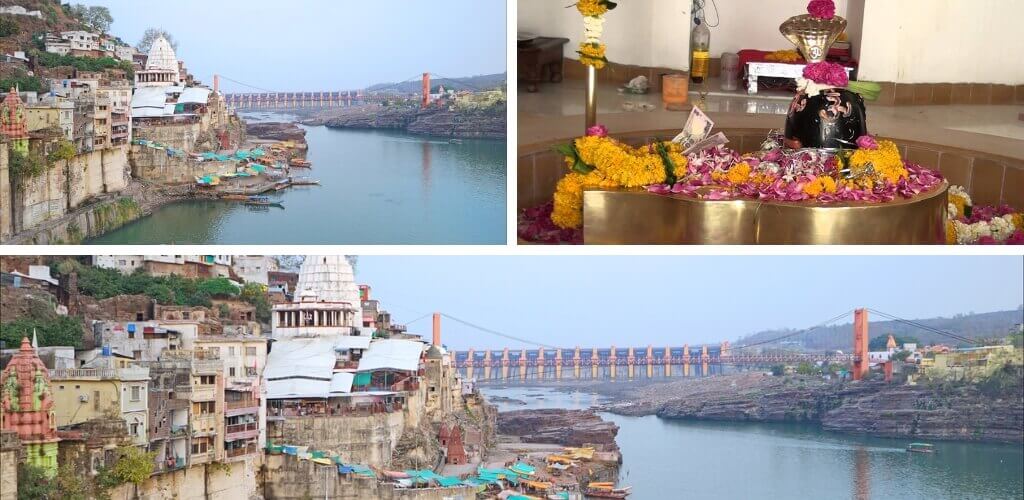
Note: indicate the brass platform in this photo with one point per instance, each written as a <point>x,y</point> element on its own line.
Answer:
<point>635,217</point>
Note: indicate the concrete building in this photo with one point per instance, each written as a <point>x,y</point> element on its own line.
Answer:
<point>110,386</point>
<point>118,93</point>
<point>52,113</point>
<point>243,357</point>
<point>254,268</point>
<point>189,266</point>
<point>205,395</point>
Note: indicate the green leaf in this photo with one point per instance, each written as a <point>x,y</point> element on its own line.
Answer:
<point>566,149</point>
<point>609,4</point>
<point>670,168</point>
<point>581,167</point>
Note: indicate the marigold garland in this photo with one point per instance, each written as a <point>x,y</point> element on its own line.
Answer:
<point>868,166</point>
<point>613,164</point>
<point>788,56</point>
<point>823,184</point>
<point>592,54</point>
<point>592,8</point>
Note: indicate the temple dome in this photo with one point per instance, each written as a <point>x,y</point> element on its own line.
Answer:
<point>331,278</point>
<point>162,56</point>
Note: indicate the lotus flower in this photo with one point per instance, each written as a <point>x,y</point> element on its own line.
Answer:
<point>598,131</point>
<point>867,142</point>
<point>822,9</point>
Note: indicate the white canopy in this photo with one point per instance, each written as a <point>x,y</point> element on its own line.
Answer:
<point>149,102</point>
<point>392,354</point>
<point>341,383</point>
<point>297,388</point>
<point>301,357</point>
<point>194,95</point>
<point>353,342</point>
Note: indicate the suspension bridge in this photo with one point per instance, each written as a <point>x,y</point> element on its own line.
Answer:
<point>270,99</point>
<point>550,363</point>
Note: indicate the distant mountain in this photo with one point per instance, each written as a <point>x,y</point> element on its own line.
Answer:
<point>478,82</point>
<point>840,337</point>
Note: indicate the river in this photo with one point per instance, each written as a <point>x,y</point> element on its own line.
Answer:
<point>723,460</point>
<point>377,187</point>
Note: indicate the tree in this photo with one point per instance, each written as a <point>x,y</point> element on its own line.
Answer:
<point>778,370</point>
<point>95,17</point>
<point>256,294</point>
<point>8,27</point>
<point>151,35</point>
<point>218,287</point>
<point>34,484</point>
<point>880,342</point>
<point>134,465</point>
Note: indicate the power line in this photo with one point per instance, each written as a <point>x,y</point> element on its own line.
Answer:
<point>925,327</point>
<point>798,332</point>
<point>500,334</point>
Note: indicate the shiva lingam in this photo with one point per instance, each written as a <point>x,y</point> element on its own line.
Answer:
<point>822,115</point>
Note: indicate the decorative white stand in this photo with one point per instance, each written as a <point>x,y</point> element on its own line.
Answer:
<point>775,69</point>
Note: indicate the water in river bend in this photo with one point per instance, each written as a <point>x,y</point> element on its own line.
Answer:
<point>377,187</point>
<point>719,460</point>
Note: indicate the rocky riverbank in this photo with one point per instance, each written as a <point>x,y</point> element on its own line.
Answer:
<point>433,121</point>
<point>559,426</point>
<point>277,131</point>
<point>947,412</point>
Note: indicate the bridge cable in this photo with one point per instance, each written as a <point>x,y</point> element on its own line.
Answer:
<point>926,327</point>
<point>798,332</point>
<point>500,334</point>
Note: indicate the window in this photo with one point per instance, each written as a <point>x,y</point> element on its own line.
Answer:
<point>231,371</point>
<point>250,351</point>
<point>134,429</point>
<point>250,371</point>
<point>186,315</point>
<point>231,351</point>
<point>136,393</point>
<point>199,447</point>
<point>95,399</point>
<point>137,355</point>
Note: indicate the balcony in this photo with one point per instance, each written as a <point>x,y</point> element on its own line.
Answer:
<point>235,432</point>
<point>241,407</point>
<point>196,392</point>
<point>241,451</point>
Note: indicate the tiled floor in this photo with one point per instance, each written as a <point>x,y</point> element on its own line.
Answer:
<point>556,112</point>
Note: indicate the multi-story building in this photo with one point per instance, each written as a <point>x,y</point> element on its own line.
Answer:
<point>139,340</point>
<point>119,95</point>
<point>243,357</point>
<point>101,123</point>
<point>204,393</point>
<point>254,268</point>
<point>52,113</point>
<point>189,266</point>
<point>110,386</point>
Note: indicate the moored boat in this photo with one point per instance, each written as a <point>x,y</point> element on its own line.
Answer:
<point>920,448</point>
<point>300,163</point>
<point>600,493</point>
<point>262,201</point>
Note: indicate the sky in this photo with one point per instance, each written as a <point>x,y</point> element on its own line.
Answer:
<point>604,300</point>
<point>316,45</point>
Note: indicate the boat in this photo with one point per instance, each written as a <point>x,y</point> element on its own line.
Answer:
<point>920,448</point>
<point>305,182</point>
<point>454,141</point>
<point>262,201</point>
<point>603,493</point>
<point>300,163</point>
<point>235,197</point>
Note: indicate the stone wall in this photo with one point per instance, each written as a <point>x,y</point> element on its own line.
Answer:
<point>154,165</point>
<point>6,207</point>
<point>363,440</point>
<point>68,185</point>
<point>288,477</point>
<point>200,482</point>
<point>86,223</point>
<point>9,450</point>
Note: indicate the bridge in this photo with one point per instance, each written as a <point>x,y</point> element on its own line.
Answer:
<point>551,363</point>
<point>268,99</point>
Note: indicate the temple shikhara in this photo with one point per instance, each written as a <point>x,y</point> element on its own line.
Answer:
<point>796,125</point>
<point>27,403</point>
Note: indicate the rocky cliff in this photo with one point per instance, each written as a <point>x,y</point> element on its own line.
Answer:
<point>961,412</point>
<point>435,121</point>
<point>559,426</point>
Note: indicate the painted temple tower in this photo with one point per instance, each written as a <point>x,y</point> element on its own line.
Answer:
<point>27,406</point>
<point>13,122</point>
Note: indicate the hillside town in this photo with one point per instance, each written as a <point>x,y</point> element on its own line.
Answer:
<point>226,377</point>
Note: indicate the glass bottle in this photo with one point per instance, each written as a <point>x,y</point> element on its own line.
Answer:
<point>700,55</point>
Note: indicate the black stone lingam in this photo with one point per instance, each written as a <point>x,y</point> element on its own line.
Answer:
<point>832,119</point>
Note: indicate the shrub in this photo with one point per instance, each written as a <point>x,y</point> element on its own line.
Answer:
<point>8,27</point>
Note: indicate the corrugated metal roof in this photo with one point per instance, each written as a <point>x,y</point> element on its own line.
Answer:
<point>297,388</point>
<point>341,382</point>
<point>353,342</point>
<point>301,357</point>
<point>149,101</point>
<point>392,354</point>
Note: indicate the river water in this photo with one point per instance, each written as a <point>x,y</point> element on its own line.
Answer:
<point>377,187</point>
<point>723,460</point>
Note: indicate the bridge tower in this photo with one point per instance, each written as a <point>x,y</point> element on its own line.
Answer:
<point>576,362</point>
<point>650,361</point>
<point>522,364</point>
<point>613,362</point>
<point>504,364</point>
<point>667,359</point>
<point>469,365</point>
<point>426,90</point>
<point>540,363</point>
<point>558,364</point>
<point>594,361</point>
<point>860,344</point>
<point>686,360</point>
<point>704,358</point>
<point>487,364</point>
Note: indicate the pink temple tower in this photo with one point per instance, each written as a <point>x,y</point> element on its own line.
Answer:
<point>27,406</point>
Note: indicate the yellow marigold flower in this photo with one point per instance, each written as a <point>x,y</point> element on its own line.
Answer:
<point>591,7</point>
<point>885,161</point>
<point>820,185</point>
<point>1017,220</point>
<point>592,54</point>
<point>784,56</point>
<point>950,232</point>
<point>739,173</point>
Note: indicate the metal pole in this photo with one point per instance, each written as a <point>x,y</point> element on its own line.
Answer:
<point>325,483</point>
<point>591,96</point>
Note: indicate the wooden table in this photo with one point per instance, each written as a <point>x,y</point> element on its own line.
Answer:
<point>537,55</point>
